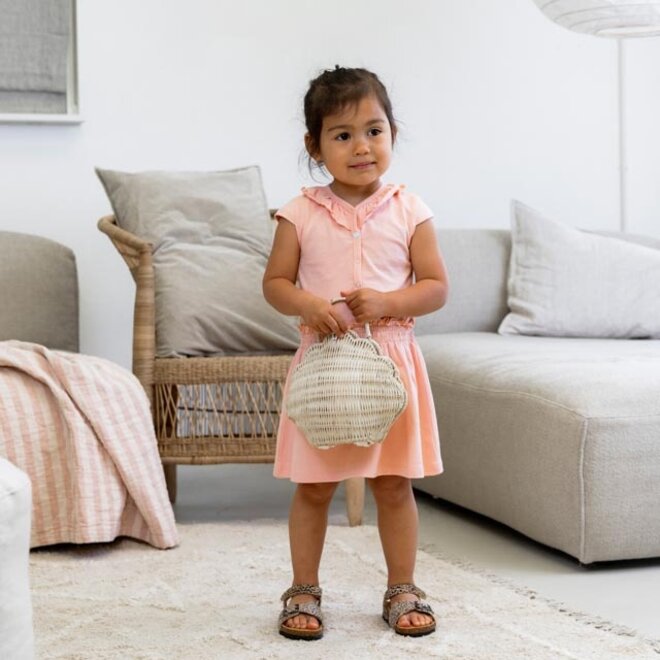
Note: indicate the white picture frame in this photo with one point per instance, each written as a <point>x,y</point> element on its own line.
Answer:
<point>72,114</point>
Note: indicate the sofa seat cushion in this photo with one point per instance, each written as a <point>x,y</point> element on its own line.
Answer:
<point>593,377</point>
<point>555,437</point>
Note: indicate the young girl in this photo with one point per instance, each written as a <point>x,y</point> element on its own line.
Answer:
<point>364,240</point>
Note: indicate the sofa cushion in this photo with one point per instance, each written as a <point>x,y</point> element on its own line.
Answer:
<point>591,377</point>
<point>564,282</point>
<point>212,234</point>
<point>554,437</point>
<point>477,261</point>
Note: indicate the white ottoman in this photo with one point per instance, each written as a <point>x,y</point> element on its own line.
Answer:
<point>16,636</point>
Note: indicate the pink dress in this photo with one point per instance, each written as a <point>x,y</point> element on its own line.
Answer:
<point>344,248</point>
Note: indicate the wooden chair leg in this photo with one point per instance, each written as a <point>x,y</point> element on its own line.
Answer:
<point>355,500</point>
<point>170,480</point>
<point>165,422</point>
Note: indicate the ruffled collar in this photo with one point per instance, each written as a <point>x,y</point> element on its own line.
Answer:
<point>351,217</point>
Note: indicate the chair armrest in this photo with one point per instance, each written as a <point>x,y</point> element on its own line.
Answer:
<point>137,253</point>
<point>127,244</point>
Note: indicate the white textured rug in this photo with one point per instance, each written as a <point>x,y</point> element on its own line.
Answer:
<point>216,596</point>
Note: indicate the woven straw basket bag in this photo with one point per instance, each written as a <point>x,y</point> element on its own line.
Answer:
<point>345,391</point>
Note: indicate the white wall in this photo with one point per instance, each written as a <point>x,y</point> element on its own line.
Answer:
<point>642,128</point>
<point>494,102</point>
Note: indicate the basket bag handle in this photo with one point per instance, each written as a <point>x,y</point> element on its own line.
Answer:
<point>367,329</point>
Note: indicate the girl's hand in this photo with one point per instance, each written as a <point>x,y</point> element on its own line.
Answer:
<point>323,318</point>
<point>366,304</point>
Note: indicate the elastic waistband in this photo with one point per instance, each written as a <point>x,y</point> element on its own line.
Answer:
<point>381,333</point>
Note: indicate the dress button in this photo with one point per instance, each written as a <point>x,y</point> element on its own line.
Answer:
<point>356,234</point>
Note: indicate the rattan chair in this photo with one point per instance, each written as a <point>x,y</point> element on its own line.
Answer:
<point>206,410</point>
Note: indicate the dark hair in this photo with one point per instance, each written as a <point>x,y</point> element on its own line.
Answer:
<point>336,89</point>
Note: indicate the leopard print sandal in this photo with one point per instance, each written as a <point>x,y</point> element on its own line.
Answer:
<point>312,609</point>
<point>393,611</point>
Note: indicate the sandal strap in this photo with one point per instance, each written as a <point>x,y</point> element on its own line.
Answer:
<point>404,588</point>
<point>296,589</point>
<point>397,610</point>
<point>312,609</point>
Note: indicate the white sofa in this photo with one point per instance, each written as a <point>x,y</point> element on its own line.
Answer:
<point>16,637</point>
<point>558,438</point>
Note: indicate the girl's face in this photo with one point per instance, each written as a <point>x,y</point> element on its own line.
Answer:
<point>356,148</point>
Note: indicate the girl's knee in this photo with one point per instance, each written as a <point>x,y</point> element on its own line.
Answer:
<point>390,488</point>
<point>317,493</point>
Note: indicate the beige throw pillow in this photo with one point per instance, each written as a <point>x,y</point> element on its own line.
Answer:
<point>564,282</point>
<point>212,235</point>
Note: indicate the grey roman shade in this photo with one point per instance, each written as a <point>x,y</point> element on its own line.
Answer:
<point>34,51</point>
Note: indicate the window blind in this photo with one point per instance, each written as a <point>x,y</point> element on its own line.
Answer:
<point>34,55</point>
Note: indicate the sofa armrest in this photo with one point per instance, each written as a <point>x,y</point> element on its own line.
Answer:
<point>38,291</point>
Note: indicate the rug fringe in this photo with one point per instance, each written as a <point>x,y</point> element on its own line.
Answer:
<point>592,620</point>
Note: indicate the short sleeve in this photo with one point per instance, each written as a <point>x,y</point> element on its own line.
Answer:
<point>293,212</point>
<point>420,212</point>
<point>416,212</point>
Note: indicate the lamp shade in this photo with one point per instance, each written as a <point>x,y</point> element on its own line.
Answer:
<point>605,18</point>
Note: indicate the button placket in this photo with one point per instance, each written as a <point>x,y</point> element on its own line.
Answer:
<point>357,253</point>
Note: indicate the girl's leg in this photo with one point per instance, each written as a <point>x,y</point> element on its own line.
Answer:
<point>397,526</point>
<point>308,521</point>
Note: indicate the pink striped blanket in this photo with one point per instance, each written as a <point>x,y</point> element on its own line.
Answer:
<point>81,428</point>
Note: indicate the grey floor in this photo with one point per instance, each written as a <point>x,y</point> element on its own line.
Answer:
<point>623,592</point>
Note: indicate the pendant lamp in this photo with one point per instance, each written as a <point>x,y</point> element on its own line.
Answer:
<point>605,18</point>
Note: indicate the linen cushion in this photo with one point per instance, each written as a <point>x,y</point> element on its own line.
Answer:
<point>212,234</point>
<point>565,282</point>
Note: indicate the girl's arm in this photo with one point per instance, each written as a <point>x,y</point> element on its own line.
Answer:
<point>280,290</point>
<point>428,293</point>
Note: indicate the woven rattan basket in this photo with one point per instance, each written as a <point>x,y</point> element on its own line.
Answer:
<point>345,391</point>
<point>205,410</point>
